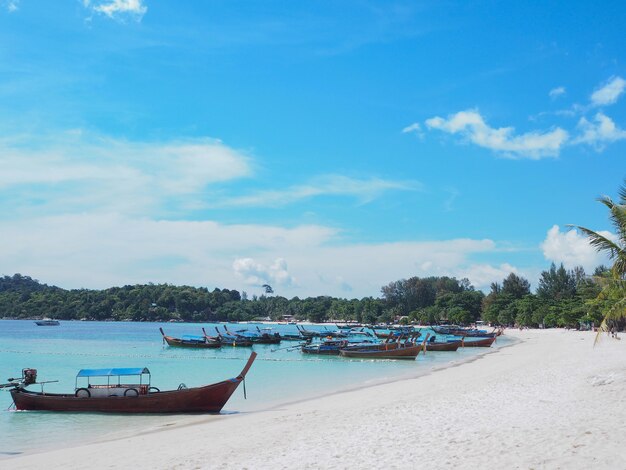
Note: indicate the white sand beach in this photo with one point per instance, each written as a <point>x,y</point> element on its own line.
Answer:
<point>550,401</point>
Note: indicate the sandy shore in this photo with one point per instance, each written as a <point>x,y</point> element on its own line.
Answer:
<point>550,401</point>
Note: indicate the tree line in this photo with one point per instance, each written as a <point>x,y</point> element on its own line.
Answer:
<point>563,298</point>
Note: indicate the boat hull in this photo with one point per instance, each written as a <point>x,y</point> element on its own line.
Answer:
<point>409,353</point>
<point>179,343</point>
<point>321,351</point>
<point>449,346</point>
<point>47,323</point>
<point>480,343</point>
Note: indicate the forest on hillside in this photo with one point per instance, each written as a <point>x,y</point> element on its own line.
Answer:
<point>563,298</point>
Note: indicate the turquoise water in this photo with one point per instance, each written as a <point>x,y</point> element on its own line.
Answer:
<point>279,375</point>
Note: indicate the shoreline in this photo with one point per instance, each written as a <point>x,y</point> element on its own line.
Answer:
<point>544,394</point>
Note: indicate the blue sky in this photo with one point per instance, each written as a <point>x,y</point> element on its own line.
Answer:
<point>324,148</point>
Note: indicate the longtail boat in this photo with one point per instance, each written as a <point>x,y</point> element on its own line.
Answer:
<point>291,337</point>
<point>388,344</point>
<point>308,333</point>
<point>479,343</point>
<point>407,350</point>
<point>444,345</point>
<point>261,337</point>
<point>191,341</point>
<point>115,397</point>
<point>267,337</point>
<point>469,332</point>
<point>326,348</point>
<point>231,340</point>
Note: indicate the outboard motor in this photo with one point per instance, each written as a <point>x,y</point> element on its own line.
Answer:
<point>29,377</point>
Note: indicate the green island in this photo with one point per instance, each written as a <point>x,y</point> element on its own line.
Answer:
<point>565,298</point>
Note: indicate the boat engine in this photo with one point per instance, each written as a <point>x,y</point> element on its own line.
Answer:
<point>29,376</point>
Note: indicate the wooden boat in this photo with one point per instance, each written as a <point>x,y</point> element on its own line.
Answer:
<point>394,332</point>
<point>190,341</point>
<point>128,398</point>
<point>388,344</point>
<point>326,348</point>
<point>479,343</point>
<point>258,336</point>
<point>267,337</point>
<point>230,340</point>
<point>444,345</point>
<point>291,337</point>
<point>407,350</point>
<point>469,332</point>
<point>47,322</point>
<point>308,333</point>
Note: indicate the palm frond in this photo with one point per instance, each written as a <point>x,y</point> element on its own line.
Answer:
<point>617,311</point>
<point>603,328</point>
<point>600,242</point>
<point>618,218</point>
<point>622,194</point>
<point>606,200</point>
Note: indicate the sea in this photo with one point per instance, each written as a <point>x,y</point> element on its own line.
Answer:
<point>281,374</point>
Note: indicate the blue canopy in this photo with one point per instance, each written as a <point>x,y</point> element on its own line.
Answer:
<point>111,372</point>
<point>200,339</point>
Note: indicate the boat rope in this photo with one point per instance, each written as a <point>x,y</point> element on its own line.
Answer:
<point>245,396</point>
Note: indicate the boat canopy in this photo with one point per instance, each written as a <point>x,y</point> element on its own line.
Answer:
<point>200,339</point>
<point>112,372</point>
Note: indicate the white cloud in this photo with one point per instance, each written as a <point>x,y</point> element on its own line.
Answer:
<point>414,128</point>
<point>328,185</point>
<point>256,274</point>
<point>572,249</point>
<point>471,125</point>
<point>118,9</point>
<point>482,275</point>
<point>11,5</point>
<point>99,250</point>
<point>609,93</point>
<point>73,171</point>
<point>557,92</point>
<point>599,133</point>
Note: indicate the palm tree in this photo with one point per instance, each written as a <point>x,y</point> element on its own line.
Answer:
<point>613,288</point>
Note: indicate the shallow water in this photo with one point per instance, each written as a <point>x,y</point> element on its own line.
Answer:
<point>279,375</point>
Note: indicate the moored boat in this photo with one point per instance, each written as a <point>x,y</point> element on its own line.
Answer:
<point>478,342</point>
<point>308,333</point>
<point>231,340</point>
<point>260,336</point>
<point>469,332</point>
<point>326,348</point>
<point>444,345</point>
<point>47,322</point>
<point>407,350</point>
<point>190,341</point>
<point>115,397</point>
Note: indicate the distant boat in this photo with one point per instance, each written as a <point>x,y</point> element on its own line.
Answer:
<point>116,397</point>
<point>47,322</point>
<point>190,341</point>
<point>230,340</point>
<point>260,336</point>
<point>407,350</point>
<point>469,332</point>
<point>329,347</point>
<point>478,342</point>
<point>443,345</point>
<point>332,346</point>
<point>308,333</point>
